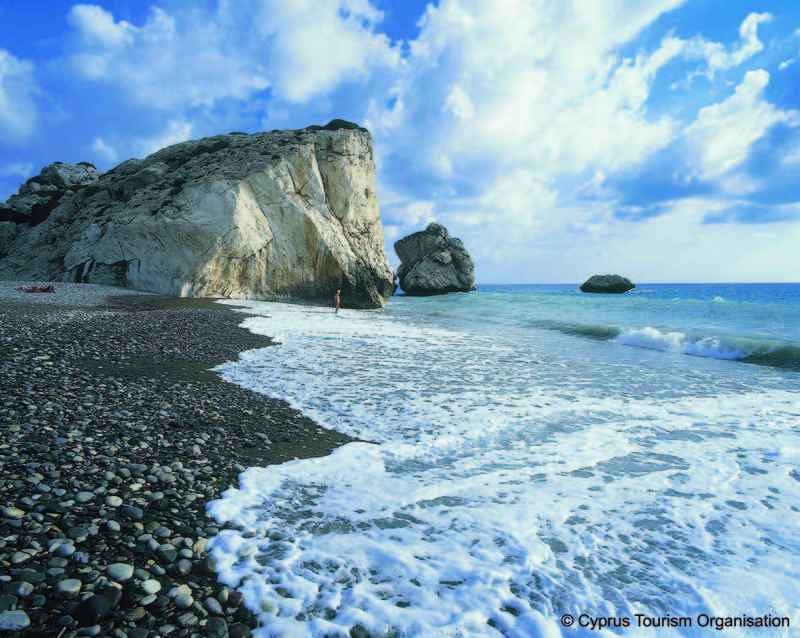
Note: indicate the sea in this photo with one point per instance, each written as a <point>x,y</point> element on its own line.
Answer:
<point>529,461</point>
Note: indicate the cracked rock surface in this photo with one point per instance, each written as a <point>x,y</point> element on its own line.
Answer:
<point>433,263</point>
<point>287,215</point>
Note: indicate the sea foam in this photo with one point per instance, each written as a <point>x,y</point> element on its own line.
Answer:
<point>507,482</point>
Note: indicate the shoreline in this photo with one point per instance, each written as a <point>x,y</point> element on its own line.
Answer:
<point>113,437</point>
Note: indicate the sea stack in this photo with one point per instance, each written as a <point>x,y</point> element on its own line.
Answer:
<point>433,263</point>
<point>285,215</point>
<point>614,284</point>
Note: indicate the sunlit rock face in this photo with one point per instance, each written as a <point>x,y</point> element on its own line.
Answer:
<point>282,215</point>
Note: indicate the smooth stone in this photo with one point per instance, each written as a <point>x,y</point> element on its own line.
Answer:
<point>180,589</point>
<point>91,610</point>
<point>32,576</point>
<point>168,553</point>
<point>23,589</point>
<point>216,628</point>
<point>120,572</point>
<point>183,601</point>
<point>239,630</point>
<point>84,497</point>
<point>212,604</point>
<point>183,567</point>
<point>66,621</point>
<point>151,586</point>
<point>130,511</point>
<point>113,526</point>
<point>134,615</point>
<point>113,501</point>
<point>187,620</point>
<point>68,588</point>
<point>148,600</point>
<point>67,548</point>
<point>20,557</point>
<point>138,632</point>
<point>94,630</point>
<point>13,512</point>
<point>166,630</point>
<point>14,620</point>
<point>78,534</point>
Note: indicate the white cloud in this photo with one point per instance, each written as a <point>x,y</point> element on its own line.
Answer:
<point>18,110</point>
<point>104,151</point>
<point>459,104</point>
<point>721,137</point>
<point>532,84</point>
<point>177,131</point>
<point>18,169</point>
<point>715,55</point>
<point>193,57</point>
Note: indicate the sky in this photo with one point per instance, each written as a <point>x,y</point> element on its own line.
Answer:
<point>656,139</point>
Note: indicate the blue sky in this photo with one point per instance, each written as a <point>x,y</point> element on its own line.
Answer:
<point>659,139</point>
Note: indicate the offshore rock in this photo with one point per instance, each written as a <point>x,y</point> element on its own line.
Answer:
<point>433,263</point>
<point>607,284</point>
<point>286,215</point>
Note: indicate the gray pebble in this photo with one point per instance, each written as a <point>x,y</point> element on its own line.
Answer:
<point>14,620</point>
<point>120,572</point>
<point>113,501</point>
<point>113,526</point>
<point>84,497</point>
<point>216,628</point>
<point>187,620</point>
<point>151,586</point>
<point>68,588</point>
<point>147,600</point>
<point>135,513</point>
<point>183,601</point>
<point>212,604</point>
<point>23,590</point>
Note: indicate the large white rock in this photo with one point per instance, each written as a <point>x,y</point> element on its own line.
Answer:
<point>280,215</point>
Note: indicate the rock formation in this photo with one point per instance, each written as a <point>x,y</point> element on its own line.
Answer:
<point>607,284</point>
<point>282,215</point>
<point>433,263</point>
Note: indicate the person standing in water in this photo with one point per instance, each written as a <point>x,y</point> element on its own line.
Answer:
<point>336,301</point>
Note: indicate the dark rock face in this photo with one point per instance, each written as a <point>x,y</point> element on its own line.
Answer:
<point>607,284</point>
<point>433,263</point>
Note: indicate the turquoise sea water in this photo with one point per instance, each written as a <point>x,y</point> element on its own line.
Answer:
<point>533,452</point>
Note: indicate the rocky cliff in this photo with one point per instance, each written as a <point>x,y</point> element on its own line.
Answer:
<point>281,215</point>
<point>433,263</point>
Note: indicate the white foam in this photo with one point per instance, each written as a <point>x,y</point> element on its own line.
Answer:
<point>654,339</point>
<point>509,484</point>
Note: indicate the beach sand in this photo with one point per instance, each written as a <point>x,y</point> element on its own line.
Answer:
<point>113,437</point>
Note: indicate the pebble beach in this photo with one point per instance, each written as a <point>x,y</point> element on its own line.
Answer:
<point>114,435</point>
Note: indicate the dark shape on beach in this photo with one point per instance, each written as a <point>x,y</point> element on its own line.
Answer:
<point>433,263</point>
<point>614,284</point>
<point>91,610</point>
<point>285,215</point>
